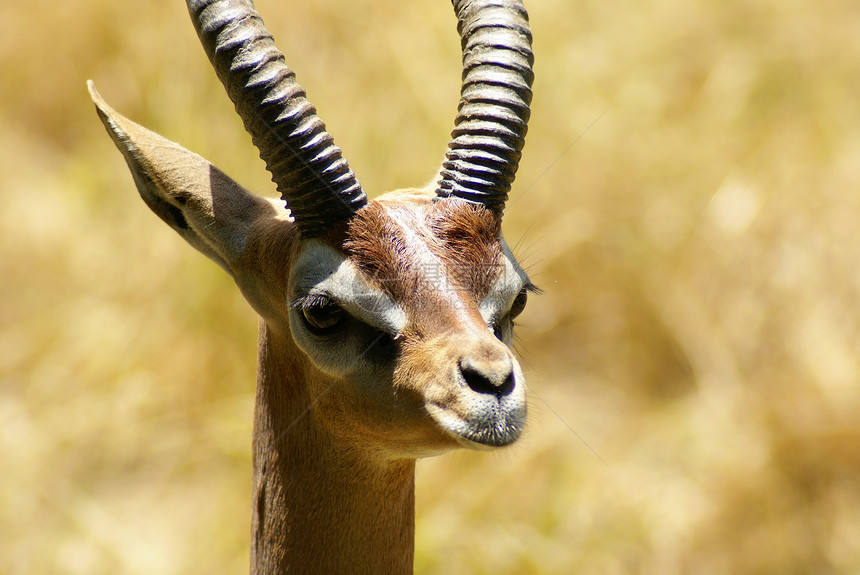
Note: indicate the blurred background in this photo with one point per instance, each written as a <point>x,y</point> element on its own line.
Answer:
<point>688,199</point>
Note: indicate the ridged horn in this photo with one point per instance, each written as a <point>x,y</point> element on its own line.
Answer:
<point>492,119</point>
<point>313,177</point>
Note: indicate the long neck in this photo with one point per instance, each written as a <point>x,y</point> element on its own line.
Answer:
<point>320,506</point>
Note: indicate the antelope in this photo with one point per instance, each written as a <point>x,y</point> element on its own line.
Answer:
<point>385,324</point>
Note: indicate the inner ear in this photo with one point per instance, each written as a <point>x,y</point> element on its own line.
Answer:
<point>170,214</point>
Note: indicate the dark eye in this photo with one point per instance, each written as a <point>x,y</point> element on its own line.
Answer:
<point>323,318</point>
<point>519,304</point>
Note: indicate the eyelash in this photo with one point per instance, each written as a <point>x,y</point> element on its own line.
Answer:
<point>306,301</point>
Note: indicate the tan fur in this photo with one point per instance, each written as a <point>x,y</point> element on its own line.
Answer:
<point>321,505</point>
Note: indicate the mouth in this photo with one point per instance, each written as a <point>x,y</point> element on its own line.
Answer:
<point>484,423</point>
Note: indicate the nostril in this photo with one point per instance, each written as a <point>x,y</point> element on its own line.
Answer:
<point>488,379</point>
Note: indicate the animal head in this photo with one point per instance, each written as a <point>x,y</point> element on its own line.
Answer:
<point>393,316</point>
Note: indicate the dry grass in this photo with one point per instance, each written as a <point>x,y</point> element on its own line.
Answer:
<point>694,363</point>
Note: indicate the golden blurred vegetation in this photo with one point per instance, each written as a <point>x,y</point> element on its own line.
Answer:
<point>689,199</point>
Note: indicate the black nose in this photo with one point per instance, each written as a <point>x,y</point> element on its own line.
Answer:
<point>493,377</point>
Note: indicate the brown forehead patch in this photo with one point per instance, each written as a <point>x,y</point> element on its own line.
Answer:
<point>377,245</point>
<point>460,247</point>
<point>469,242</point>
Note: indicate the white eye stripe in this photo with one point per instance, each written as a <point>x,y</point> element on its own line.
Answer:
<point>505,290</point>
<point>322,272</point>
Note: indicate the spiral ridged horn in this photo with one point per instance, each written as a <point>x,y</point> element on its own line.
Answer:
<point>493,114</point>
<point>309,170</point>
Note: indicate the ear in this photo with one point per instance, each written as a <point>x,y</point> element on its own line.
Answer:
<point>207,208</point>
